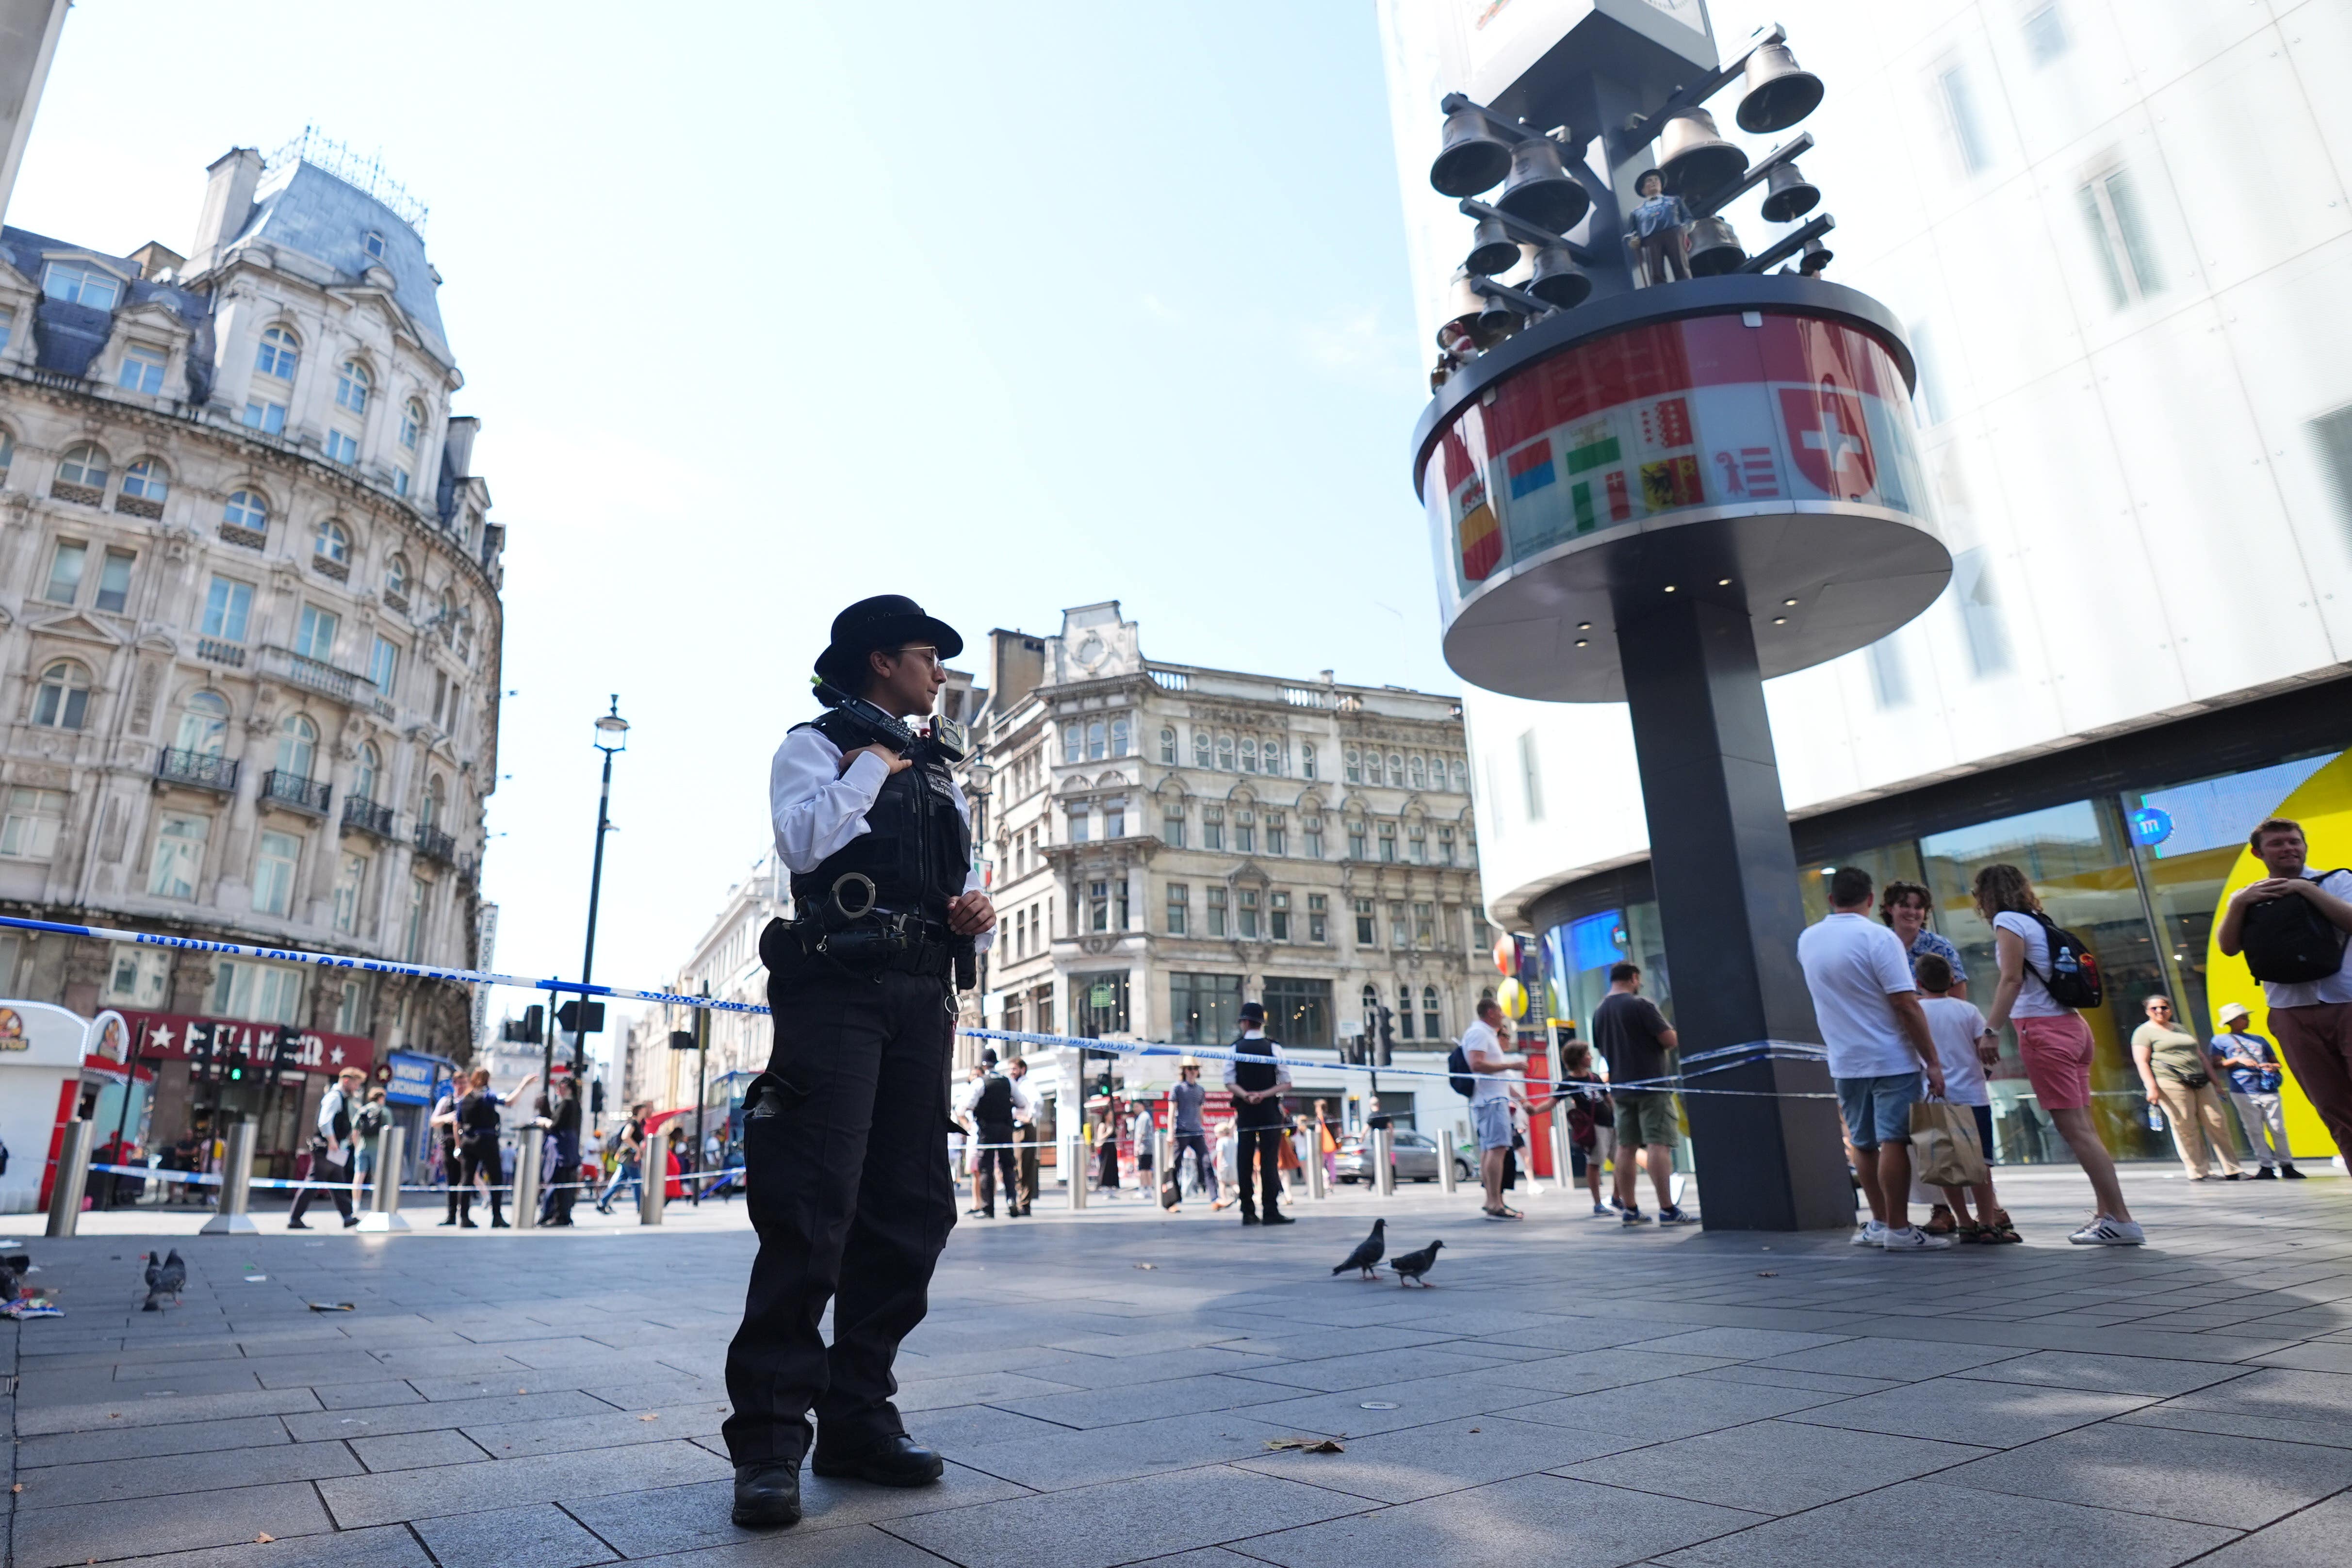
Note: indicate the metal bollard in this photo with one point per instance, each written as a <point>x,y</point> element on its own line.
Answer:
<point>72,1180</point>
<point>1315,1188</point>
<point>531,1154</point>
<point>237,1186</point>
<point>383,1213</point>
<point>1563,1163</point>
<point>1071,1157</point>
<point>1448,1182</point>
<point>653,1164</point>
<point>1384,1161</point>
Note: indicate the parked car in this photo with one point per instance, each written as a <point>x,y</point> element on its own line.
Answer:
<point>1416,1159</point>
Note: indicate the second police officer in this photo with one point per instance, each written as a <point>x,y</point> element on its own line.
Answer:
<point>845,1133</point>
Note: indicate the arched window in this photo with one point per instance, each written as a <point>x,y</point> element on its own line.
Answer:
<point>1095,741</point>
<point>204,725</point>
<point>7,448</point>
<point>298,746</point>
<point>412,424</point>
<point>363,776</point>
<point>1433,1027</point>
<point>62,700</point>
<point>1396,771</point>
<point>1225,753</point>
<point>1249,753</point>
<point>83,465</point>
<point>145,478</point>
<point>1273,758</point>
<point>335,542</point>
<point>396,576</point>
<point>430,815</point>
<point>280,352</point>
<point>352,384</point>
<point>1167,747</point>
<point>1200,748</point>
<point>445,615</point>
<point>1454,774</point>
<point>1119,732</point>
<point>1415,774</point>
<point>1074,743</point>
<point>247,509</point>
<point>1307,758</point>
<point>1354,762</point>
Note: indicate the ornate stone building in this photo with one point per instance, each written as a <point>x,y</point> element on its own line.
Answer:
<point>250,633</point>
<point>1169,840</point>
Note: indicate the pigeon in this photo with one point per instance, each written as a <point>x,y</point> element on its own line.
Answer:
<point>1368,1252</point>
<point>1414,1265</point>
<point>167,1277</point>
<point>12,1270</point>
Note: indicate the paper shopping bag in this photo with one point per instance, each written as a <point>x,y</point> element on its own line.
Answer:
<point>1944,1149</point>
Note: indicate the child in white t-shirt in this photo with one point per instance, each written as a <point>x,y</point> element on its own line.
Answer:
<point>1965,1047</point>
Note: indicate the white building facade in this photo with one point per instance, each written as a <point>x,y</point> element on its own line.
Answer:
<point>250,634</point>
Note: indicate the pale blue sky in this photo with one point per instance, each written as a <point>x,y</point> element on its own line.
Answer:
<point>765,308</point>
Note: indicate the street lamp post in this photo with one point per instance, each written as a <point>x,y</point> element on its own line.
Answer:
<point>611,738</point>
<point>977,780</point>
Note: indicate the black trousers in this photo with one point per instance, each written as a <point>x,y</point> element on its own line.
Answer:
<point>323,1169</point>
<point>478,1156</point>
<point>851,1195</point>
<point>1203,1162</point>
<point>989,1161</point>
<point>1266,1144</point>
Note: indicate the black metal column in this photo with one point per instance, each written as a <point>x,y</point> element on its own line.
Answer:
<point>1726,873</point>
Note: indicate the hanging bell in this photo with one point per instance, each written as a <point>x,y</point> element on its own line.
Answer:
<point>1557,280</point>
<point>1457,334</point>
<point>1817,256</point>
<point>1470,156</point>
<point>1778,92</point>
<point>1540,190</point>
<point>1496,322</point>
<point>1787,194</point>
<point>1696,159</point>
<point>1492,250</point>
<point>1714,248</point>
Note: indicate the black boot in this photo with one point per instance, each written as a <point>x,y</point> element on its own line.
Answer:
<point>768,1495</point>
<point>466,1213</point>
<point>899,1461</point>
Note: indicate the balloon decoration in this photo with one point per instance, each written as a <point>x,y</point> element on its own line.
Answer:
<point>1506,956</point>
<point>1513,996</point>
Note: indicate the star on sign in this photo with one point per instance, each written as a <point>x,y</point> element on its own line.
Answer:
<point>336,1056</point>
<point>161,1035</point>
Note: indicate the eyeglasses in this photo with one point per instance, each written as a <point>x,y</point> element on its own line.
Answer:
<point>926,653</point>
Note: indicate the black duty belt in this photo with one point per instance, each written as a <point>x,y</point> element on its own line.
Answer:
<point>880,943</point>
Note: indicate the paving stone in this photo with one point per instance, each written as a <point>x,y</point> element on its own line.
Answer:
<point>54,1537</point>
<point>2016,1532</point>
<point>612,1429</point>
<point>1773,1467</point>
<point>540,1535</point>
<point>1446,1455</point>
<point>1092,1527</point>
<point>860,1546</point>
<point>1782,1377</point>
<point>2242,1482</point>
<point>365,1395</point>
<point>1905,1360</point>
<point>1334,1374</point>
<point>2311,1539</point>
<point>1532,1519</point>
<point>415,1450</point>
<point>385,1546</point>
<point>978,1388</point>
<point>1958,1410</point>
<point>89,1384</point>
<point>2296,1395</point>
<point>146,1442</point>
<point>383,1421</point>
<point>2225,1423</point>
<point>1414,1404</point>
<point>1143,1400</point>
<point>2316,1356</point>
<point>1740,1343</point>
<point>2106,1373</point>
<point>115,1480</point>
<point>1057,1458</point>
<point>674,1519</point>
<point>1674,1408</point>
<point>550,1478</point>
<point>123,1414</point>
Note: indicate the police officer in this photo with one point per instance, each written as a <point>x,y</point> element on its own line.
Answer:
<point>845,1133</point>
<point>1257,1080</point>
<point>988,1105</point>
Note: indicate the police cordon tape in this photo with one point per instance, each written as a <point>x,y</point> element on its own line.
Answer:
<point>1706,1062</point>
<point>367,1187</point>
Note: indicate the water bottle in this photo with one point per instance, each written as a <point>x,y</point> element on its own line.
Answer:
<point>2155,1118</point>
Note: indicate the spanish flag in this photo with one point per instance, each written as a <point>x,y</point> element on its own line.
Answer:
<point>1480,535</point>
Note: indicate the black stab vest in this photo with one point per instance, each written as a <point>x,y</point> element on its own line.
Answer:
<point>917,848</point>
<point>1254,1073</point>
<point>995,1106</point>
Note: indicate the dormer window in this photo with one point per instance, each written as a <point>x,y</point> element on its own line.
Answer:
<point>142,369</point>
<point>412,425</point>
<point>280,353</point>
<point>353,383</point>
<point>80,285</point>
<point>374,245</point>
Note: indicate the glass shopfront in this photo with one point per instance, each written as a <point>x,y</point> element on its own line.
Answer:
<point>2137,875</point>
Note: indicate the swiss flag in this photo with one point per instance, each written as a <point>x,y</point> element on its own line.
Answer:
<point>1828,439</point>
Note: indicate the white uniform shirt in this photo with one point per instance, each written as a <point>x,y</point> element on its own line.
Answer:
<point>969,1100</point>
<point>1264,1045</point>
<point>816,808</point>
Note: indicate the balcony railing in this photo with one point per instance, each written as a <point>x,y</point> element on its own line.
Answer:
<point>214,651</point>
<point>318,675</point>
<point>200,769</point>
<point>365,815</point>
<point>1169,680</point>
<point>294,790</point>
<point>435,845</point>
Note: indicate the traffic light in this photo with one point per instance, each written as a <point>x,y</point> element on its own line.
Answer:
<point>682,1040</point>
<point>571,1017</point>
<point>1387,1035</point>
<point>529,1029</point>
<point>596,1098</point>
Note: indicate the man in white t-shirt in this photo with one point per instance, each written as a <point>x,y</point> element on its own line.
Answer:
<point>1490,1102</point>
<point>1868,1004</point>
<point>2313,1018</point>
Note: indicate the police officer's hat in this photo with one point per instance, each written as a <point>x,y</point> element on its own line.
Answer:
<point>886,620</point>
<point>1253,1012</point>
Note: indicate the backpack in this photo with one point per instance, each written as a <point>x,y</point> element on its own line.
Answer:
<point>1457,1069</point>
<point>2074,977</point>
<point>2288,942</point>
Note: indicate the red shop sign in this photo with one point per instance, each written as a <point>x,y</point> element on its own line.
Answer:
<point>180,1036</point>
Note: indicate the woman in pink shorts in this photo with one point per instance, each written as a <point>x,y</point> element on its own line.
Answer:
<point>2054,1042</point>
